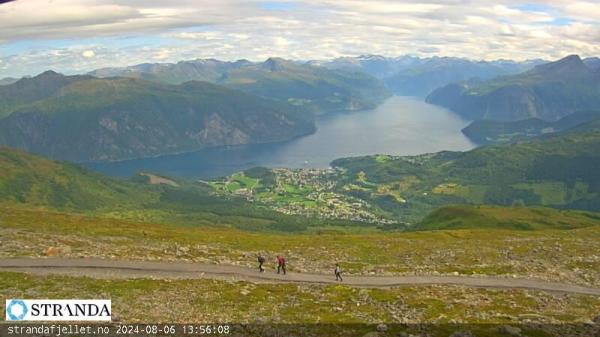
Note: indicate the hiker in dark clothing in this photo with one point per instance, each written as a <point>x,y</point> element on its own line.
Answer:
<point>338,272</point>
<point>261,260</point>
<point>280,264</point>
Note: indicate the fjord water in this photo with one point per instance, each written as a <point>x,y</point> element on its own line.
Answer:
<point>399,126</point>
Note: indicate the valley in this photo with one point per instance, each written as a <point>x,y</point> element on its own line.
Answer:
<point>398,126</point>
<point>388,187</point>
<point>302,168</point>
<point>404,189</point>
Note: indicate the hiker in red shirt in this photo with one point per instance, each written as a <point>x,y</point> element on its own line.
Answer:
<point>280,264</point>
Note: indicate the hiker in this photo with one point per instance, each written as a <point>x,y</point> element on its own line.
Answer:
<point>338,272</point>
<point>280,264</point>
<point>261,260</point>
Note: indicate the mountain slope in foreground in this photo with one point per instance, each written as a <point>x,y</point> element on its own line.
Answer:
<point>35,181</point>
<point>27,180</point>
<point>513,218</point>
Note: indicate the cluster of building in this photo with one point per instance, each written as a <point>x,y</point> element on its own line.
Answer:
<point>310,193</point>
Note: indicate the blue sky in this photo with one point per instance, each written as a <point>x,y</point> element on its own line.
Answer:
<point>277,6</point>
<point>73,36</point>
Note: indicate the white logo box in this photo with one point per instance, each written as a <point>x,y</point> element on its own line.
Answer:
<point>58,310</point>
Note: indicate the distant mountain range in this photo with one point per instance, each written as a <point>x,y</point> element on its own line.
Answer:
<point>82,118</point>
<point>414,76</point>
<point>314,88</point>
<point>164,108</point>
<point>8,80</point>
<point>592,63</point>
<point>29,90</point>
<point>155,109</point>
<point>548,92</point>
<point>296,81</point>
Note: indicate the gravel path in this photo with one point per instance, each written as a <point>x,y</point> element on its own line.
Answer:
<point>114,269</point>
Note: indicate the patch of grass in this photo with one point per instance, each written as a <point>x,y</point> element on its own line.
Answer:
<point>551,193</point>
<point>185,301</point>
<point>461,216</point>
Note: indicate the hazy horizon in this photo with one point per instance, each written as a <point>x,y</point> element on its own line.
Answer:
<point>76,36</point>
<point>76,72</point>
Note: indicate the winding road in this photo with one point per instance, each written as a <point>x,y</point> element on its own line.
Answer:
<point>114,269</point>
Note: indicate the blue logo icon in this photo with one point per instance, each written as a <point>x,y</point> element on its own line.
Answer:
<point>16,310</point>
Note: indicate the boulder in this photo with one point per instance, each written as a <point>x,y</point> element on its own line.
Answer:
<point>510,330</point>
<point>53,251</point>
<point>462,334</point>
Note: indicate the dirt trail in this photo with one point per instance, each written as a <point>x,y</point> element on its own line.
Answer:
<point>101,268</point>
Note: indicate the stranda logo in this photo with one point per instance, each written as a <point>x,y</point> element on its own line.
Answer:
<point>58,310</point>
<point>16,310</point>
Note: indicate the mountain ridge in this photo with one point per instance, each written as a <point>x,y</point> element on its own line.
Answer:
<point>415,76</point>
<point>492,131</point>
<point>314,88</point>
<point>91,119</point>
<point>548,92</point>
<point>31,89</point>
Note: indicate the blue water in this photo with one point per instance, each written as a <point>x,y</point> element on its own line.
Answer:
<point>399,126</point>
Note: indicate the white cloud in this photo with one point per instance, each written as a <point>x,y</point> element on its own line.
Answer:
<point>88,54</point>
<point>162,54</point>
<point>386,7</point>
<point>310,29</point>
<point>584,10</point>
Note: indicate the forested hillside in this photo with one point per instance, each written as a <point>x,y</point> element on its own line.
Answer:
<point>82,118</point>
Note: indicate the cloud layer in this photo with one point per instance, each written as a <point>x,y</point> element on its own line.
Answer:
<point>80,35</point>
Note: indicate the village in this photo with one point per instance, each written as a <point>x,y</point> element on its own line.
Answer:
<point>305,192</point>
